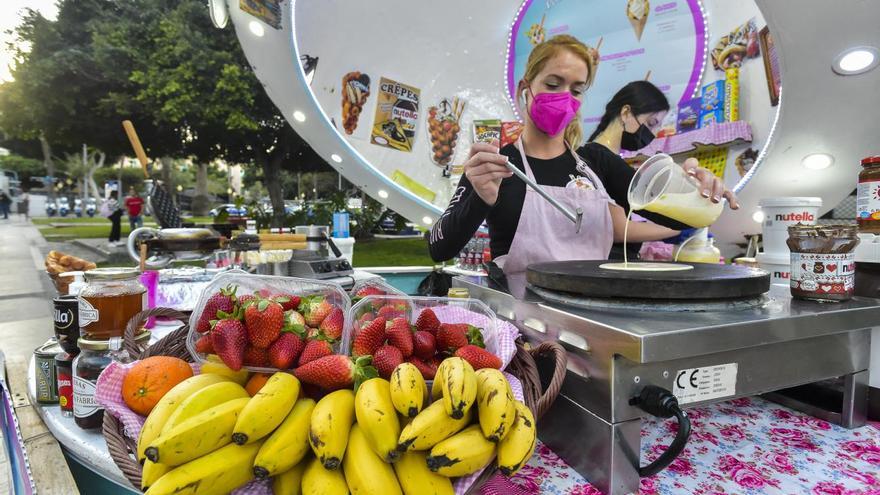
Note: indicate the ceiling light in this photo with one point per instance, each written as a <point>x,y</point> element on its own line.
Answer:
<point>817,161</point>
<point>758,216</point>
<point>427,220</point>
<point>336,158</point>
<point>256,28</point>
<point>299,116</point>
<point>856,60</point>
<point>383,194</point>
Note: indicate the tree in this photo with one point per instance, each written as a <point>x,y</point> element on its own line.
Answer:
<point>28,169</point>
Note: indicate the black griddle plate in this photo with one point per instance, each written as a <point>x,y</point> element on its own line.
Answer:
<point>704,281</point>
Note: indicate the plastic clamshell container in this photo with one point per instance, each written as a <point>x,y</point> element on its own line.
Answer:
<point>447,309</point>
<point>249,284</point>
<point>377,282</point>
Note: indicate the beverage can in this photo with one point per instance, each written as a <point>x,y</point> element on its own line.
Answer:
<point>44,372</point>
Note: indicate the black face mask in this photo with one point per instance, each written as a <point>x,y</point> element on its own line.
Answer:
<point>634,141</point>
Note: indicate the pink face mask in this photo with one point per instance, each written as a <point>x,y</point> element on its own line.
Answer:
<point>551,112</point>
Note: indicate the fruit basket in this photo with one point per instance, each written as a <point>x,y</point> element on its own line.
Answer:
<point>267,286</point>
<point>376,286</point>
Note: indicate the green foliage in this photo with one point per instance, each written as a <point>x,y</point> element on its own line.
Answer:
<point>26,167</point>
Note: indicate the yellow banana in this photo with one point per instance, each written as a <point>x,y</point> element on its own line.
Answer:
<point>437,385</point>
<point>214,364</point>
<point>519,445</point>
<point>464,453</point>
<point>267,409</point>
<point>330,425</point>
<point>408,390</point>
<point>204,399</point>
<point>416,479</point>
<point>365,472</point>
<point>495,404</point>
<point>168,404</point>
<point>289,482</point>
<point>197,436</point>
<point>287,445</point>
<point>216,473</point>
<point>430,427</point>
<point>319,481</point>
<point>152,472</point>
<point>459,385</point>
<point>378,418</point>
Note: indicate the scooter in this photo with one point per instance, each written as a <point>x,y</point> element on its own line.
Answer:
<point>51,209</point>
<point>78,207</point>
<point>91,207</point>
<point>63,207</point>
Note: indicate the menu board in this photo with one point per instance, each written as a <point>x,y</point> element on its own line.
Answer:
<point>662,41</point>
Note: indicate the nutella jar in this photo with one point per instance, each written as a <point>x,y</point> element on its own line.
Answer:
<point>868,196</point>
<point>823,261</point>
<point>111,297</point>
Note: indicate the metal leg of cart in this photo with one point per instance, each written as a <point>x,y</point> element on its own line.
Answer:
<point>843,401</point>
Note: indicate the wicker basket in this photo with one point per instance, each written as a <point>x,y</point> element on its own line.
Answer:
<point>523,366</point>
<point>123,449</point>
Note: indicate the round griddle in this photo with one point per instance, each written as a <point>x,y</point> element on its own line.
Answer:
<point>705,281</point>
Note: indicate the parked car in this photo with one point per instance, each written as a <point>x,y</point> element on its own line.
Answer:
<point>231,209</point>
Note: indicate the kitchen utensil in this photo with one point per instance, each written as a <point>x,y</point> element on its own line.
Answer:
<point>576,216</point>
<point>661,186</point>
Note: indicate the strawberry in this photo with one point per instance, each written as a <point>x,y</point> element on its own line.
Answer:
<point>369,290</point>
<point>427,321</point>
<point>451,336</point>
<point>254,356</point>
<point>478,357</point>
<point>315,309</point>
<point>365,318</point>
<point>230,339</point>
<point>245,299</point>
<point>284,351</point>
<point>369,338</point>
<point>294,322</point>
<point>336,372</point>
<point>287,301</point>
<point>399,334</point>
<point>222,301</point>
<point>385,359</point>
<point>424,345</point>
<point>264,320</point>
<point>333,323</point>
<point>390,312</point>
<point>204,345</point>
<point>427,369</point>
<point>315,349</point>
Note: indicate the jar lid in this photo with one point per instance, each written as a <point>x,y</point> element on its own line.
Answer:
<point>871,160</point>
<point>112,274</point>
<point>824,230</point>
<point>104,345</point>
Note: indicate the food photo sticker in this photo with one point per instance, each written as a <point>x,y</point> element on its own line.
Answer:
<point>510,132</point>
<point>355,90</point>
<point>444,126</point>
<point>733,48</point>
<point>536,32</point>
<point>637,13</point>
<point>397,115</point>
<point>268,11</point>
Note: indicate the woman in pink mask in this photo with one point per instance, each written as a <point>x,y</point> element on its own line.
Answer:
<point>523,227</point>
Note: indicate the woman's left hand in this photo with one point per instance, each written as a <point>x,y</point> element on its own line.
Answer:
<point>711,186</point>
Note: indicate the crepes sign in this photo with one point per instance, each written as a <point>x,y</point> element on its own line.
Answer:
<point>397,115</point>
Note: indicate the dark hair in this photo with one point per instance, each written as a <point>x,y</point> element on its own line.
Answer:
<point>642,97</point>
<point>114,194</point>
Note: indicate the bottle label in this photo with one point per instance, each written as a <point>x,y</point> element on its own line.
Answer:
<point>84,402</point>
<point>823,273</point>
<point>87,313</point>
<point>868,200</point>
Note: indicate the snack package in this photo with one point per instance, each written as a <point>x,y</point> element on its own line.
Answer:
<point>668,127</point>
<point>688,117</point>
<point>443,129</point>
<point>713,117</point>
<point>731,94</point>
<point>487,130</point>
<point>510,132</point>
<point>712,104</point>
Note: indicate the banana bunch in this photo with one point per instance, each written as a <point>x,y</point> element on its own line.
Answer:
<point>267,409</point>
<point>330,425</point>
<point>377,416</point>
<point>408,390</point>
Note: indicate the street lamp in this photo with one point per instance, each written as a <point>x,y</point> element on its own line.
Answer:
<point>179,188</point>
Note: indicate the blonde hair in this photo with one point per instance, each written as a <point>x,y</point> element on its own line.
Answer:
<point>547,50</point>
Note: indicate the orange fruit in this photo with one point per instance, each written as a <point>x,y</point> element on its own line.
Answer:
<point>150,379</point>
<point>256,383</point>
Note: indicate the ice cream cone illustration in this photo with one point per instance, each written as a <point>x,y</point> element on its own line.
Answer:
<point>637,13</point>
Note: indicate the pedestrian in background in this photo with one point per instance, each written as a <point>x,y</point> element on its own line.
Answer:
<point>134,205</point>
<point>5,201</point>
<point>110,209</point>
<point>24,205</point>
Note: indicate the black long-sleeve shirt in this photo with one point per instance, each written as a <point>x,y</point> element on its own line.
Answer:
<point>467,210</point>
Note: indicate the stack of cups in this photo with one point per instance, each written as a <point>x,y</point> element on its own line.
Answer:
<point>779,214</point>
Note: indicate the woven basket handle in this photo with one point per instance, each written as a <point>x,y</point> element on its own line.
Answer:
<point>560,363</point>
<point>139,319</point>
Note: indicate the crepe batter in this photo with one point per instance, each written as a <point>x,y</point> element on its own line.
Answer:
<point>642,266</point>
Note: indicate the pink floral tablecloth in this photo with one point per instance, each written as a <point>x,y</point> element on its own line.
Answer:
<point>744,446</point>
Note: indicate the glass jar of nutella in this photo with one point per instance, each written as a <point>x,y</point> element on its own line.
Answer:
<point>823,261</point>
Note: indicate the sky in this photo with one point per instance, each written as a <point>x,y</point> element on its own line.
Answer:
<point>10,16</point>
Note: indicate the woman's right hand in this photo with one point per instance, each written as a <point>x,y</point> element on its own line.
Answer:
<point>485,169</point>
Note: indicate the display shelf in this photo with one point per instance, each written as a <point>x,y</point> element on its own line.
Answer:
<point>712,136</point>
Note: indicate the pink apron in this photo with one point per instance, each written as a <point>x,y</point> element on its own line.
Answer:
<point>545,234</point>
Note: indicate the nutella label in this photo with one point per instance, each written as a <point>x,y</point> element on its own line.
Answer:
<point>868,200</point>
<point>87,313</point>
<point>822,273</point>
<point>84,402</point>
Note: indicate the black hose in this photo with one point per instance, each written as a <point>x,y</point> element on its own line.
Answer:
<point>662,403</point>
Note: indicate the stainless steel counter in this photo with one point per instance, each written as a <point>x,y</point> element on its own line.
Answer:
<point>614,353</point>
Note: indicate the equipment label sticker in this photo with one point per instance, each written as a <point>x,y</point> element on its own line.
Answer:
<point>701,384</point>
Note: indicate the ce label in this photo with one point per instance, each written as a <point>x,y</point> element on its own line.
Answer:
<point>692,380</point>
